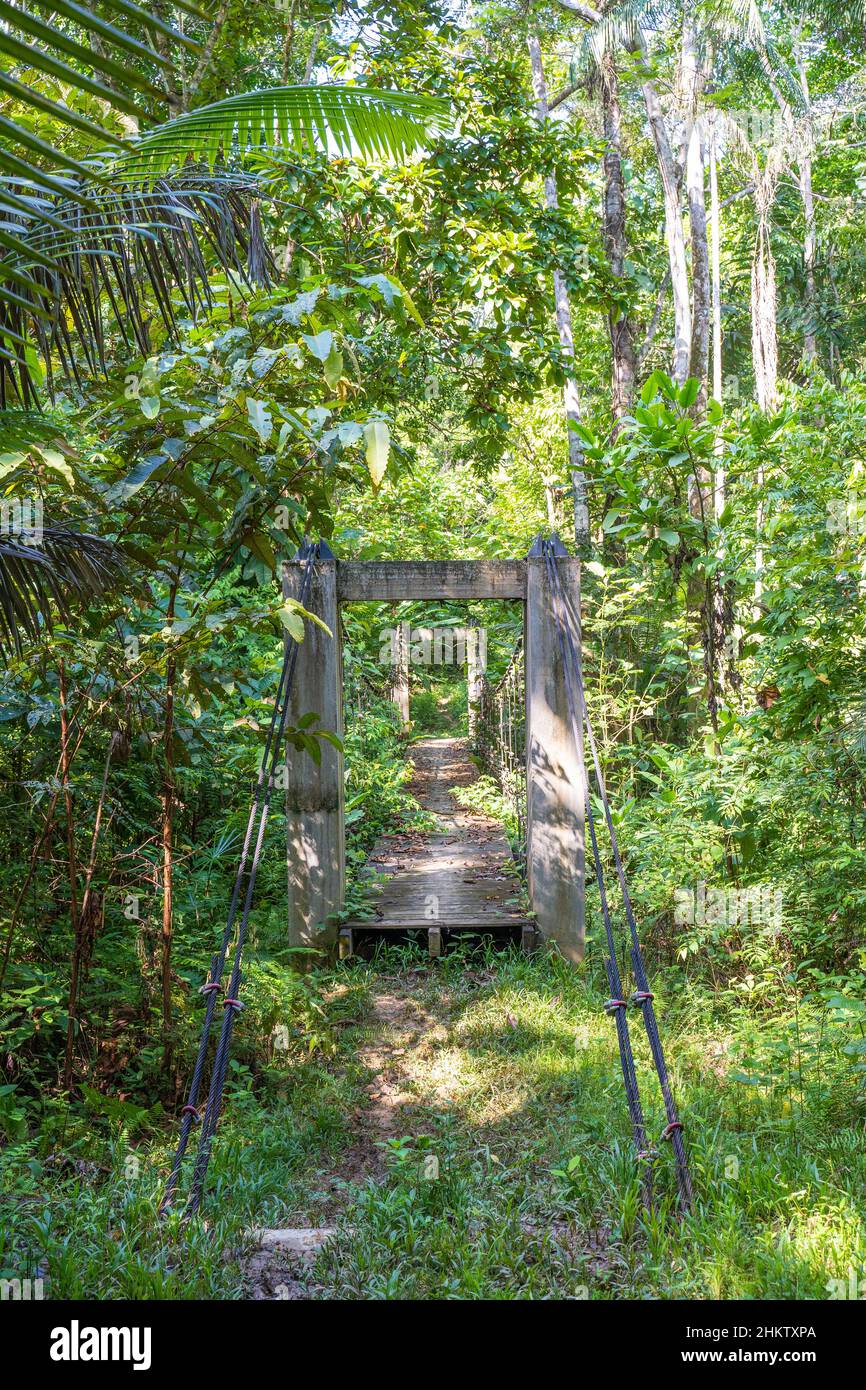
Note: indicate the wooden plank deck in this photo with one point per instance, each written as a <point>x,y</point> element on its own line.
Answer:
<point>459,878</point>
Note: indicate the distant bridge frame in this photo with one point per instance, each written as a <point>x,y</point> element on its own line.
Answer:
<point>555,777</point>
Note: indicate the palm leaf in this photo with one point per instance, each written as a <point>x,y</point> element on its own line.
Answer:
<point>92,57</point>
<point>154,242</point>
<point>37,583</point>
<point>82,236</point>
<point>75,249</point>
<point>341,120</point>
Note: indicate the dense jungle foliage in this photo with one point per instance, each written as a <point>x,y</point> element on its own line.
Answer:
<point>601,272</point>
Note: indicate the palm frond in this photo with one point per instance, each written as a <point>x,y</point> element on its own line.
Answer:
<point>103,66</point>
<point>619,26</point>
<point>131,247</point>
<point>96,240</point>
<point>340,120</point>
<point>85,236</point>
<point>735,19</point>
<point>39,582</point>
<point>71,50</point>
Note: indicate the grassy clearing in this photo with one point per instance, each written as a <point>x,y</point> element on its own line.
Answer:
<point>516,1092</point>
<point>500,1072</point>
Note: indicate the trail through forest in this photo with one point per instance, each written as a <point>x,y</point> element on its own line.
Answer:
<point>482,1146</point>
<point>559,269</point>
<point>410,1074</point>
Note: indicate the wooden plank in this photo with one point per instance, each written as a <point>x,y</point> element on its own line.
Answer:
<point>470,924</point>
<point>457,877</point>
<point>392,581</point>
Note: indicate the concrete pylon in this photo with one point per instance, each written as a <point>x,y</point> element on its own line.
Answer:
<point>555,777</point>
<point>315,795</point>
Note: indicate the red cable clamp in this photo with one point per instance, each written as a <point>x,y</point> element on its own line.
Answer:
<point>611,1005</point>
<point>668,1131</point>
<point>189,1110</point>
<point>640,996</point>
<point>233,1004</point>
<point>210,986</point>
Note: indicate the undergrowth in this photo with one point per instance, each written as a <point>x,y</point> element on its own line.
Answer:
<point>518,1098</point>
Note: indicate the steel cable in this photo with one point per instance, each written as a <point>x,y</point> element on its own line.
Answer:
<point>258,809</point>
<point>615,1004</point>
<point>642,998</point>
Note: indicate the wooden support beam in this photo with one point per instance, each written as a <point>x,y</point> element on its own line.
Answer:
<point>315,800</point>
<point>393,581</point>
<point>476,666</point>
<point>400,674</point>
<point>554,768</point>
<point>492,923</point>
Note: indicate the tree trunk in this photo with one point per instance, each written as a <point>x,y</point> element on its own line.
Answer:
<point>700,346</point>
<point>810,337</point>
<point>400,683</point>
<point>801,139</point>
<point>670,176</point>
<point>563,325</point>
<point>701,484</point>
<point>674,235</point>
<point>75,961</point>
<point>167,864</point>
<point>764,340</point>
<point>288,42</point>
<point>764,356</point>
<point>715,218</point>
<point>619,324</point>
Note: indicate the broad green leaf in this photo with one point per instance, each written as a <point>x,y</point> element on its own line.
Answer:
<point>259,545</point>
<point>55,460</point>
<point>378,439</point>
<point>260,419</point>
<point>333,367</point>
<point>320,344</point>
<point>293,623</point>
<point>123,490</point>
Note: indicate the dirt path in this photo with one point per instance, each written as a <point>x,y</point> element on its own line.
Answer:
<point>411,1070</point>
<point>459,874</point>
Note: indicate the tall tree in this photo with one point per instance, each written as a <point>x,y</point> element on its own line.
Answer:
<point>621,29</point>
<point>620,325</point>
<point>564,326</point>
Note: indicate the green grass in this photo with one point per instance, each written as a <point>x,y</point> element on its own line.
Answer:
<point>537,1195</point>
<point>504,1070</point>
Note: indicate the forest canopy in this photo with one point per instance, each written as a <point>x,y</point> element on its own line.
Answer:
<point>425,281</point>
